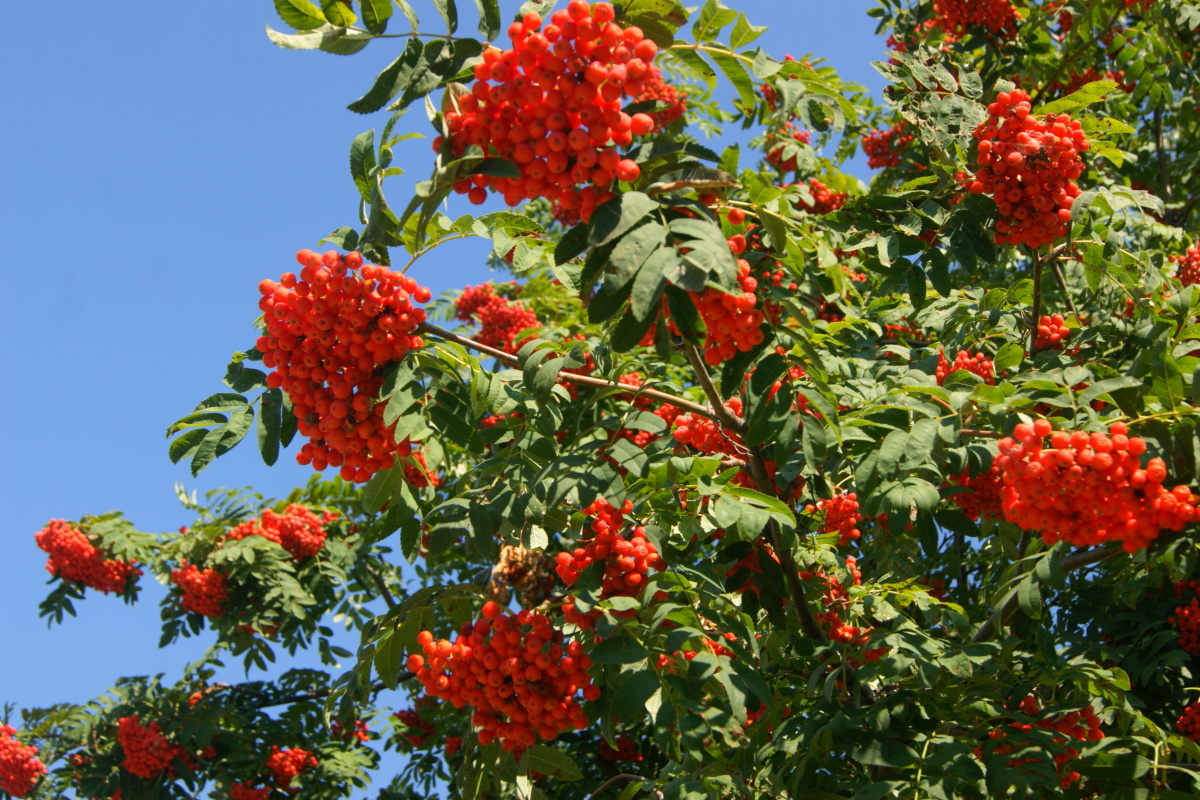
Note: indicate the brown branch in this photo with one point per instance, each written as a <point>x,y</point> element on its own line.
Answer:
<point>1062,283</point>
<point>1160,150</point>
<point>723,415</point>
<point>1037,303</point>
<point>383,589</point>
<point>623,776</point>
<point>570,377</point>
<point>1071,562</point>
<point>978,434</point>
<point>1186,210</point>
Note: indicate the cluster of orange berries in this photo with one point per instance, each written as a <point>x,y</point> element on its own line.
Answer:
<point>327,335</point>
<point>500,319</point>
<point>1187,616</point>
<point>287,764</point>
<point>20,768</point>
<point>514,671</point>
<point>711,645</point>
<point>297,530</point>
<point>360,731</point>
<point>1029,166</point>
<point>705,435</point>
<point>1082,726</point>
<point>204,590</point>
<point>552,106</point>
<point>1188,725</point>
<point>74,558</point>
<point>1052,332</point>
<point>998,17</point>
<point>781,144</point>
<point>418,730</point>
<point>986,496</point>
<point>147,751</point>
<point>834,595</point>
<point>824,199</point>
<point>882,147</point>
<point>246,791</point>
<point>978,364</point>
<point>1188,266</point>
<point>453,745</point>
<point>732,322</point>
<point>626,561</point>
<point>626,751</point>
<point>1088,488</point>
<point>841,516</point>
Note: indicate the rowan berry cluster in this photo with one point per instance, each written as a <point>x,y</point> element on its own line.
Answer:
<point>834,595</point>
<point>551,105</point>
<point>1082,726</point>
<point>74,558</point>
<point>1189,723</point>
<point>453,745</point>
<point>147,751</point>
<point>418,730</point>
<point>204,590</point>
<point>1052,333</point>
<point>841,516</point>
<point>1029,166</point>
<point>328,333</point>
<point>360,731</point>
<point>515,671</point>
<point>297,530</point>
<point>675,102</point>
<point>626,560</point>
<point>781,146</point>
<point>1188,266</point>
<point>986,496</point>
<point>1088,488</point>
<point>732,322</point>
<point>705,435</point>
<point>978,364</point>
<point>20,767</point>
<point>500,319</point>
<point>998,17</point>
<point>1187,616</point>
<point>882,147</point>
<point>246,791</point>
<point>287,764</point>
<point>626,751</point>
<point>824,199</point>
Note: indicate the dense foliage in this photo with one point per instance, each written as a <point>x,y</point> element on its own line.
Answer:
<point>744,478</point>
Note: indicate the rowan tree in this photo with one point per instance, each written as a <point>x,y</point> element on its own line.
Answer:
<point>741,478</point>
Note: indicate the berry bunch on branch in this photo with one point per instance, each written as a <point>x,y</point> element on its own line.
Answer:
<point>76,559</point>
<point>20,768</point>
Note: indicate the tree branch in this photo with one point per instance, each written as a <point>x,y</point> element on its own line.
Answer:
<point>723,415</point>
<point>1037,302</point>
<point>570,377</point>
<point>623,776</point>
<point>1160,151</point>
<point>383,589</point>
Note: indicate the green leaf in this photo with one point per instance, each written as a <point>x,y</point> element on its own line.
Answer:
<point>222,401</point>
<point>362,162</point>
<point>389,658</point>
<point>449,12</point>
<point>1084,96</point>
<point>376,14</point>
<point>744,33</point>
<point>338,13</point>
<point>394,78</point>
<point>1030,597</point>
<point>202,419</point>
<point>300,14</point>
<point>1009,356</point>
<point>712,18</point>
<point>554,762</point>
<point>648,287</point>
<point>574,242</point>
<point>735,71</point>
<point>270,423</point>
<point>489,19</point>
<point>186,444</point>
<point>619,649</point>
<point>617,216</point>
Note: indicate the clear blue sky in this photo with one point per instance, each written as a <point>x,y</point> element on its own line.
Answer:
<point>160,159</point>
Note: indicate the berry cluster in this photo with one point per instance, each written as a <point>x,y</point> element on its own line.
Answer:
<point>1188,266</point>
<point>360,731</point>
<point>297,530</point>
<point>781,146</point>
<point>705,435</point>
<point>514,671</point>
<point>147,751</point>
<point>20,767</point>
<point>882,147</point>
<point>841,516</point>
<point>551,105</point>
<point>824,199</point>
<point>1082,726</point>
<point>328,334</point>
<point>626,561</point>
<point>74,558</point>
<point>986,496</point>
<point>732,322</point>
<point>246,791</point>
<point>418,728</point>
<point>1188,725</point>
<point>998,17</point>
<point>1187,616</point>
<point>1029,166</point>
<point>626,751</point>
<point>835,595</point>
<point>1052,333</point>
<point>288,764</point>
<point>500,319</point>
<point>204,590</point>
<point>978,364</point>
<point>1088,488</point>
<point>453,745</point>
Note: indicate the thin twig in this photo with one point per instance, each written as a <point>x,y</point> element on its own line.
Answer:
<point>973,433</point>
<point>724,416</point>
<point>570,377</point>
<point>623,776</point>
<point>1037,302</point>
<point>1062,284</point>
<point>383,589</point>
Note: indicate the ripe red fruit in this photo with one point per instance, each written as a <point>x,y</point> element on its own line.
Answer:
<point>841,516</point>
<point>288,764</point>
<point>998,17</point>
<point>882,147</point>
<point>75,559</point>
<point>297,530</point>
<point>20,768</point>
<point>147,752</point>
<point>204,590</point>
<point>1188,266</point>
<point>1189,722</point>
<point>978,364</point>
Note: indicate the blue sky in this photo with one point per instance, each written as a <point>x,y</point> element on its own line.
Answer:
<point>161,158</point>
